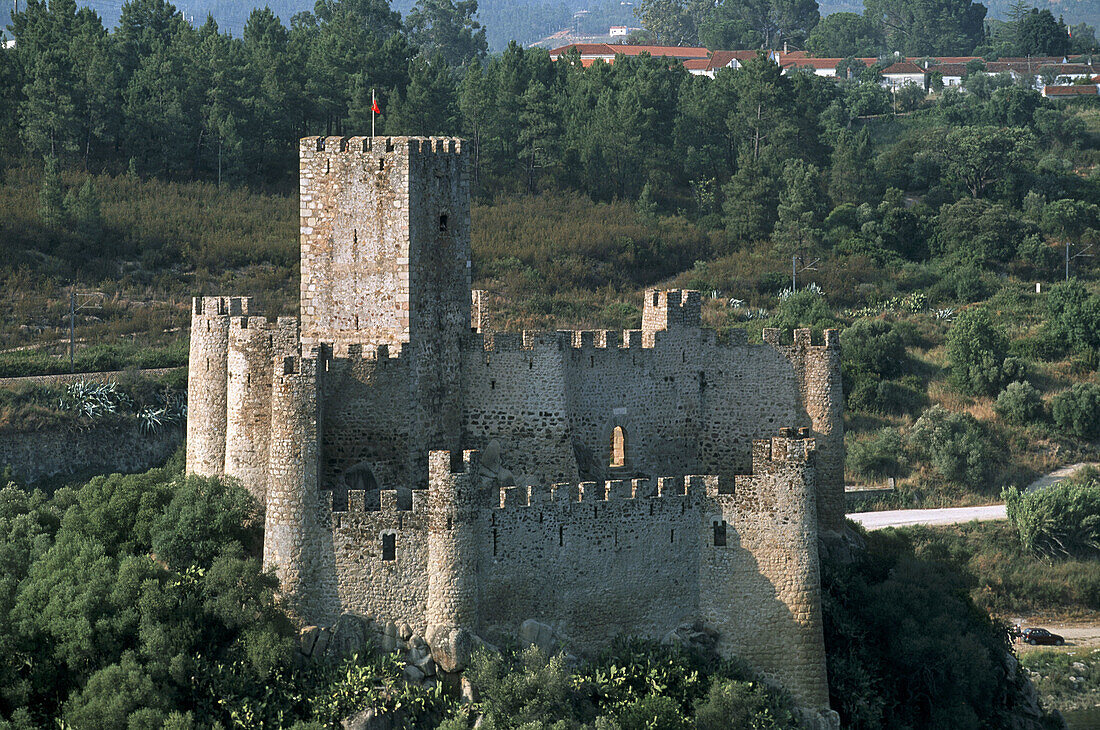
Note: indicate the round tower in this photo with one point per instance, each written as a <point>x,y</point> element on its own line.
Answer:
<point>293,474</point>
<point>824,398</point>
<point>248,395</point>
<point>206,384</point>
<point>453,538</point>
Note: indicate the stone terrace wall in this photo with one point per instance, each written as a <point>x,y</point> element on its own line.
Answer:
<point>37,455</point>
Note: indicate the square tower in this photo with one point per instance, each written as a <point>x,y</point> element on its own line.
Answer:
<point>385,240</point>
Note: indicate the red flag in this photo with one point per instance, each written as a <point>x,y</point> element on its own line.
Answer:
<point>374,107</point>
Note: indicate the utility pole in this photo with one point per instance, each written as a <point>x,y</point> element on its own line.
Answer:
<point>812,266</point>
<point>1082,253</point>
<point>91,300</point>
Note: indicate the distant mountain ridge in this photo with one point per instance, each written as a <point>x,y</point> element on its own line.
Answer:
<point>526,21</point>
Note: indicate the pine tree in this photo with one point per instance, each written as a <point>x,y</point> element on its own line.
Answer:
<point>51,198</point>
<point>801,208</point>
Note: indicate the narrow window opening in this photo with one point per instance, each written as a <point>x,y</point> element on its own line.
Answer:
<point>389,547</point>
<point>492,385</point>
<point>672,536</point>
<point>288,366</point>
<point>450,522</point>
<point>720,533</point>
<point>595,511</point>
<point>354,236</point>
<point>656,298</point>
<point>381,165</point>
<point>270,341</point>
<point>683,356</point>
<point>443,223</point>
<point>651,509</point>
<point>530,364</point>
<point>357,321</point>
<point>702,380</point>
<point>591,361</point>
<point>494,543</point>
<point>618,447</point>
<point>561,535</point>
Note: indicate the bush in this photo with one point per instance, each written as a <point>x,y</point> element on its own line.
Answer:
<point>1020,403</point>
<point>805,308</point>
<point>1073,316</point>
<point>880,455</point>
<point>1062,520</point>
<point>1077,411</point>
<point>978,354</point>
<point>955,444</point>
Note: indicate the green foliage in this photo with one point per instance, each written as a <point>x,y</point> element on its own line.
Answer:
<point>1076,411</point>
<point>907,647</point>
<point>976,158</point>
<point>804,308</point>
<point>1062,520</point>
<point>1073,317</point>
<point>51,199</point>
<point>840,35</point>
<point>1019,403</point>
<point>978,354</point>
<point>955,444</point>
<point>877,456</point>
<point>926,28</point>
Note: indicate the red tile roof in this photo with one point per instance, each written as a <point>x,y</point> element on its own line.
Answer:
<point>1074,90</point>
<point>902,67</point>
<point>609,49</point>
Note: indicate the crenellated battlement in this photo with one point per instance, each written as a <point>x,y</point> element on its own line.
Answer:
<point>803,339</point>
<point>311,147</point>
<point>221,306</point>
<point>671,309</point>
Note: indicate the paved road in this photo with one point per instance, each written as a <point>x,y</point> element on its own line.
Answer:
<point>948,516</point>
<point>956,515</point>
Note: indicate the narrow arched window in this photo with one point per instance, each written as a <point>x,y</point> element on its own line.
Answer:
<point>618,447</point>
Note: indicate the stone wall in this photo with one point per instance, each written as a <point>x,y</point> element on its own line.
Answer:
<point>594,560</point>
<point>37,455</point>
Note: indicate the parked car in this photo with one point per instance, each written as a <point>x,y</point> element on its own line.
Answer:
<point>1041,636</point>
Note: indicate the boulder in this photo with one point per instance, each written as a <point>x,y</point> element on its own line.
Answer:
<point>371,719</point>
<point>349,637</point>
<point>307,639</point>
<point>451,648</point>
<point>404,631</point>
<point>413,673</point>
<point>532,632</point>
<point>389,637</point>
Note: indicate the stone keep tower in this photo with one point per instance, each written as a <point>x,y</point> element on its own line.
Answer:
<point>385,247</point>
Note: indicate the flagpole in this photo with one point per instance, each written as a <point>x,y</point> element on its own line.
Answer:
<point>372,114</point>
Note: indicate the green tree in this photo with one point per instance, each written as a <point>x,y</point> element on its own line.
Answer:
<point>976,157</point>
<point>447,28</point>
<point>955,444</point>
<point>51,196</point>
<point>1019,403</point>
<point>852,175</point>
<point>1077,411</point>
<point>843,35</point>
<point>978,354</point>
<point>1072,317</point>
<point>1039,34</point>
<point>928,27</point>
<point>750,201</point>
<point>801,209</point>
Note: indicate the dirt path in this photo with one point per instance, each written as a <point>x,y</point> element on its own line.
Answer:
<point>1077,635</point>
<point>1059,475</point>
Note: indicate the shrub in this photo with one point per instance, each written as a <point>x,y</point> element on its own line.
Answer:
<point>1073,316</point>
<point>1019,402</point>
<point>880,455</point>
<point>733,704</point>
<point>1062,520</point>
<point>955,444</point>
<point>1077,411</point>
<point>977,352</point>
<point>805,308</point>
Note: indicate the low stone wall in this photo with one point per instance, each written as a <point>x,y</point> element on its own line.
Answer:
<point>37,455</point>
<point>108,376</point>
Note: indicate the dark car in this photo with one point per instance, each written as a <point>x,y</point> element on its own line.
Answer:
<point>1041,636</point>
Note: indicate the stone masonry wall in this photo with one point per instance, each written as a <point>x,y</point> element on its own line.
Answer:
<point>761,590</point>
<point>596,560</point>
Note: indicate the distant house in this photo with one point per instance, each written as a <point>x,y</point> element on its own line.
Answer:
<point>901,74</point>
<point>618,30</point>
<point>1074,91</point>
<point>952,73</point>
<point>592,52</point>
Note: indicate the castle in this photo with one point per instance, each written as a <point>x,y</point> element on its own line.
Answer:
<point>416,466</point>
